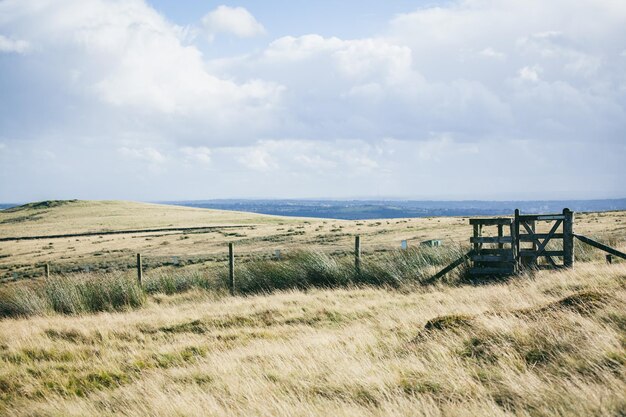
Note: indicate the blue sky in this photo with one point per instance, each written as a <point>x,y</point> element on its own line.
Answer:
<point>164,100</point>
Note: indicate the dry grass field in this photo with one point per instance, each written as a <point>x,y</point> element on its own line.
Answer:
<point>257,236</point>
<point>552,344</point>
<point>542,344</point>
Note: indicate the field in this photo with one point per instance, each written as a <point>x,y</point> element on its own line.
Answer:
<point>548,343</point>
<point>254,235</point>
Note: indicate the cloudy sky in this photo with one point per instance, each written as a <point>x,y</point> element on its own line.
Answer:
<point>166,100</point>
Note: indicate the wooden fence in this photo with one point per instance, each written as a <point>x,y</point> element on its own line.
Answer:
<point>523,246</point>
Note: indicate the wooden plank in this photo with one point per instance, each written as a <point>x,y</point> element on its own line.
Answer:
<point>491,221</point>
<point>492,271</point>
<point>493,258</point>
<point>601,246</point>
<point>450,267</point>
<point>551,217</point>
<point>504,252</point>
<point>532,238</point>
<point>533,253</point>
<point>491,239</point>
<point>527,217</point>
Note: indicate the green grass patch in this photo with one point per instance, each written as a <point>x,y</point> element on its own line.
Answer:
<point>311,269</point>
<point>85,293</point>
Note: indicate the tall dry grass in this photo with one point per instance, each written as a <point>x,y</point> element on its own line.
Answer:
<point>550,344</point>
<point>315,269</point>
<point>86,293</point>
<point>75,294</point>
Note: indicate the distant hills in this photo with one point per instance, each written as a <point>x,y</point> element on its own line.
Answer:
<point>388,209</point>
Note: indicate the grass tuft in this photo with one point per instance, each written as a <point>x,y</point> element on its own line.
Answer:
<point>312,269</point>
<point>85,293</point>
<point>175,282</point>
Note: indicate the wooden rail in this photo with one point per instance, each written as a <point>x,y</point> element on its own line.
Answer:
<point>600,246</point>
<point>451,266</point>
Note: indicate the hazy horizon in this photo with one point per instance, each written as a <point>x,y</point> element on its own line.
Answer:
<point>150,100</point>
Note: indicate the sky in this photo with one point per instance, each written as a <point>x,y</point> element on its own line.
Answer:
<point>454,100</point>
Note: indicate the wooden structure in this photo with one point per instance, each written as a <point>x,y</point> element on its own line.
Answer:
<point>518,245</point>
<point>493,255</point>
<point>561,230</point>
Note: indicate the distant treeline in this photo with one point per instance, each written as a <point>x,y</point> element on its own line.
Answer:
<point>386,209</point>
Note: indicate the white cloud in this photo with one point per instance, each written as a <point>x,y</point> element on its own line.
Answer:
<point>131,59</point>
<point>147,154</point>
<point>492,53</point>
<point>530,73</point>
<point>200,154</point>
<point>10,45</point>
<point>234,20</point>
<point>257,159</point>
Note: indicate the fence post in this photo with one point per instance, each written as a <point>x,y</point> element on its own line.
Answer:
<point>478,232</point>
<point>516,250</point>
<point>46,270</point>
<point>139,271</point>
<point>568,238</point>
<point>609,259</point>
<point>231,268</point>
<point>357,254</point>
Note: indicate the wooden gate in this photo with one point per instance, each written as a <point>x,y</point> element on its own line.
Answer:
<point>513,253</point>
<point>493,255</point>
<point>560,231</point>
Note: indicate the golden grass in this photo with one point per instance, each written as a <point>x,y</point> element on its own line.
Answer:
<point>552,344</point>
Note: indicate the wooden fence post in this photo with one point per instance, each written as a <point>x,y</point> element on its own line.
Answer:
<point>478,232</point>
<point>357,254</point>
<point>139,271</point>
<point>46,270</point>
<point>568,238</point>
<point>231,268</point>
<point>609,259</point>
<point>516,238</point>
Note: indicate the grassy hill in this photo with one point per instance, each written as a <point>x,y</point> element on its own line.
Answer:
<point>76,216</point>
<point>256,236</point>
<point>330,343</point>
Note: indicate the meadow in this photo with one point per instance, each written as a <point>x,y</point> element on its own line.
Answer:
<point>305,335</point>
